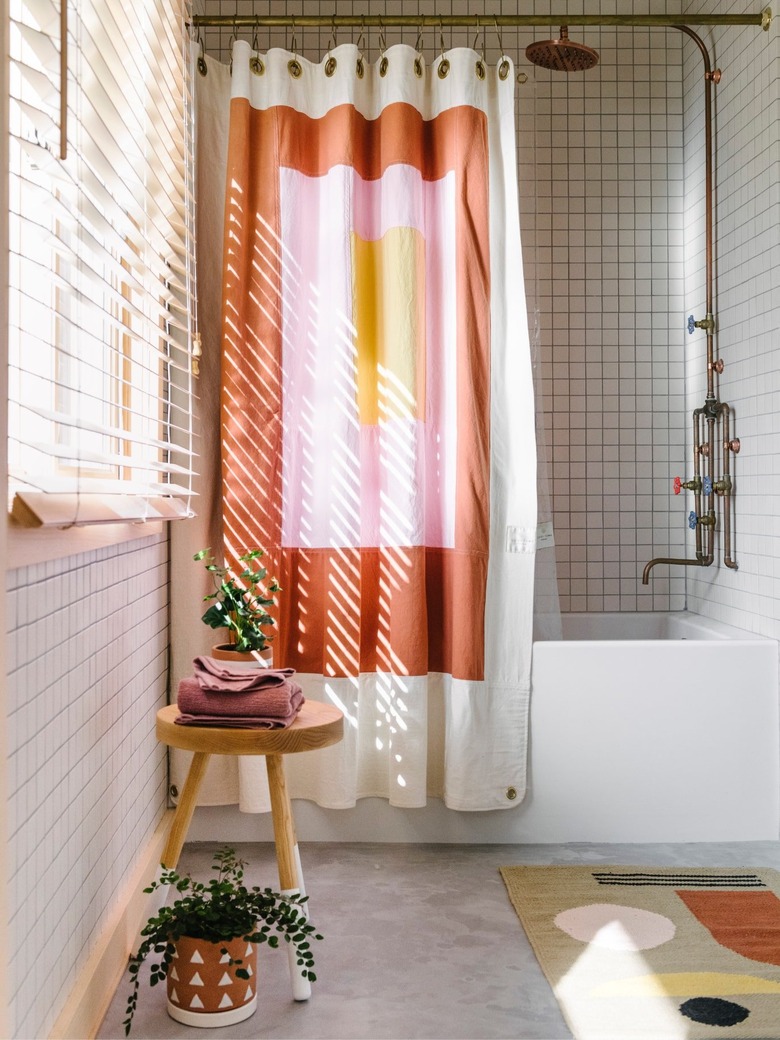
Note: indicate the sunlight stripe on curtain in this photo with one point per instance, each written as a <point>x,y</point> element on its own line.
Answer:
<point>377,410</point>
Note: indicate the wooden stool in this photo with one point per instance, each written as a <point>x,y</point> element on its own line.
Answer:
<point>316,726</point>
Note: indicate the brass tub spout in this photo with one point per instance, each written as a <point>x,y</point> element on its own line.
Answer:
<point>684,562</point>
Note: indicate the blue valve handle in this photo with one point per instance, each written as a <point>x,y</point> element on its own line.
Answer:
<point>691,324</point>
<point>692,520</point>
<point>707,487</point>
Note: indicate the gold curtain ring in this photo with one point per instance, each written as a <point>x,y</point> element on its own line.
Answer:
<point>444,65</point>
<point>256,62</point>
<point>331,62</point>
<point>202,66</point>
<point>294,67</point>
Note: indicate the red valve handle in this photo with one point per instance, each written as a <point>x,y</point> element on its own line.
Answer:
<point>677,485</point>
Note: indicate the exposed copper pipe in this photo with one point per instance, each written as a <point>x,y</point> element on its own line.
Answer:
<point>728,446</point>
<point>697,455</point>
<point>713,411</point>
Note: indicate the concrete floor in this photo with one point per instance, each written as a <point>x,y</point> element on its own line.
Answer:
<point>420,942</point>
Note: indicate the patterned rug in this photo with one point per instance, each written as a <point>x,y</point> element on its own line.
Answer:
<point>638,953</point>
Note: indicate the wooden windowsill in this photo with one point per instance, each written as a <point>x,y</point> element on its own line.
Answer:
<point>29,545</point>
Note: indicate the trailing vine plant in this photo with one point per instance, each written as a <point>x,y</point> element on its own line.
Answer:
<point>219,910</point>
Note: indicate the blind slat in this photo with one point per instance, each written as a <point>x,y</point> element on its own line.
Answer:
<point>65,419</point>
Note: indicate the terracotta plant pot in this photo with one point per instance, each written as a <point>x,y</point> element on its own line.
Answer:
<point>203,989</point>
<point>258,658</point>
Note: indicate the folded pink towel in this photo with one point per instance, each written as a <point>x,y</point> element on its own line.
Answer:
<point>278,702</point>
<point>234,722</point>
<point>221,675</point>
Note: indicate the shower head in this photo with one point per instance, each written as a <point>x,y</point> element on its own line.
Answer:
<point>562,55</point>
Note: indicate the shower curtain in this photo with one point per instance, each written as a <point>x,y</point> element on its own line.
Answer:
<point>377,413</point>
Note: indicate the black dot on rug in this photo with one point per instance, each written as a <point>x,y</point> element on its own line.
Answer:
<point>712,1011</point>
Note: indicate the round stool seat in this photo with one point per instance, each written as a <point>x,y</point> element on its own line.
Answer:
<point>317,725</point>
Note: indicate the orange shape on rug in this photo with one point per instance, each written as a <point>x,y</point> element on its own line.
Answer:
<point>746,922</point>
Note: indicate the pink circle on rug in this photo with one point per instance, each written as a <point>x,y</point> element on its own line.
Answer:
<point>616,927</point>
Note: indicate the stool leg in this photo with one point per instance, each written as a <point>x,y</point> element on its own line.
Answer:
<point>184,810</point>
<point>286,856</point>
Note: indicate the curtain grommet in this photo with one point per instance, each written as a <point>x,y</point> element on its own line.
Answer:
<point>480,69</point>
<point>257,66</point>
<point>503,69</point>
<point>444,68</point>
<point>418,67</point>
<point>330,66</point>
<point>383,64</point>
<point>360,68</point>
<point>295,68</point>
<point>511,793</point>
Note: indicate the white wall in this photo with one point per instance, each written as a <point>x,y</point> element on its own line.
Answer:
<point>87,671</point>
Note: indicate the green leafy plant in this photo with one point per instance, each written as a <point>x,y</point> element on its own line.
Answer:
<point>220,910</point>
<point>240,600</point>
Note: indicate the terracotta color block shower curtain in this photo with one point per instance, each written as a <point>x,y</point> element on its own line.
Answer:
<point>377,411</point>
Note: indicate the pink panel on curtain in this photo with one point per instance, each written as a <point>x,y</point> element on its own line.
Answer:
<point>355,386</point>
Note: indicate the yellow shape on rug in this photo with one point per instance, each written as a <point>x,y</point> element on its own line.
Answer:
<point>685,984</point>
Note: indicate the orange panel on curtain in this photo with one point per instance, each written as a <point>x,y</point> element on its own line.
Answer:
<point>376,518</point>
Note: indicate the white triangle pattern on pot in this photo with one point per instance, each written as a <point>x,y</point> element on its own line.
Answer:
<point>196,1002</point>
<point>249,950</point>
<point>172,973</point>
<point>174,996</point>
<point>248,994</point>
<point>225,980</point>
<point>225,958</point>
<point>196,980</point>
<point>196,958</point>
<point>249,969</point>
<point>226,1001</point>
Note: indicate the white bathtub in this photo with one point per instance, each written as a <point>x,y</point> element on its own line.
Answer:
<point>653,727</point>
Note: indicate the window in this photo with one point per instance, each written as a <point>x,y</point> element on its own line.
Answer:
<point>101,272</point>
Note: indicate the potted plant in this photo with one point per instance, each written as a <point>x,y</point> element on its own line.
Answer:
<point>208,939</point>
<point>239,603</point>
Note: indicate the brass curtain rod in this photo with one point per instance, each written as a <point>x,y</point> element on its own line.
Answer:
<point>472,21</point>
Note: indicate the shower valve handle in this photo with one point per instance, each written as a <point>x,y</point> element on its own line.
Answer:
<point>708,485</point>
<point>708,323</point>
<point>705,521</point>
<point>689,485</point>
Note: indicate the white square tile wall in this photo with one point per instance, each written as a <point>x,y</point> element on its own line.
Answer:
<point>603,251</point>
<point>88,651</point>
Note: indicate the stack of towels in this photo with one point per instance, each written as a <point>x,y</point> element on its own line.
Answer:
<point>220,694</point>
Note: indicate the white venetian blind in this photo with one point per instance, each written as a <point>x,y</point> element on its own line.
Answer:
<point>100,383</point>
